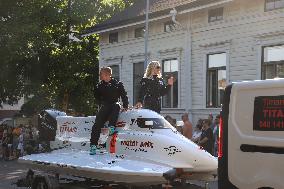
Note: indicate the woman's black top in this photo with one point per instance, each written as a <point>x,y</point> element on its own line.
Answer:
<point>151,91</point>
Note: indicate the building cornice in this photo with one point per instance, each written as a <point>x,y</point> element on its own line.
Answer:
<point>140,19</point>
<point>216,43</point>
<point>270,34</point>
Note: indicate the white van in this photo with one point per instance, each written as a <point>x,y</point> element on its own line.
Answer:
<point>251,147</point>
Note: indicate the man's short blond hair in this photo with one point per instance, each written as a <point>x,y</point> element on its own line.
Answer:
<point>106,70</point>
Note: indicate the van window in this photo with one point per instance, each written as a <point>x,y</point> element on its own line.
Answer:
<point>268,113</point>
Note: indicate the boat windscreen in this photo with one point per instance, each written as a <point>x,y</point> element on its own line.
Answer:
<point>154,123</point>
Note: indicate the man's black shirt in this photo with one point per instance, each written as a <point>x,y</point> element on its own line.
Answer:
<point>208,145</point>
<point>110,92</point>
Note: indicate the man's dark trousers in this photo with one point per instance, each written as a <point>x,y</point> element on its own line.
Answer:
<point>107,112</point>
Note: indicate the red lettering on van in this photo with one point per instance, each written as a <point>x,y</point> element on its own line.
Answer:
<point>264,124</point>
<point>268,113</point>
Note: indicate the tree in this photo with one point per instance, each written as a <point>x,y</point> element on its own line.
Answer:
<point>39,61</point>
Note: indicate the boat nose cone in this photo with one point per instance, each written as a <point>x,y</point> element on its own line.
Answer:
<point>205,161</point>
<point>212,163</point>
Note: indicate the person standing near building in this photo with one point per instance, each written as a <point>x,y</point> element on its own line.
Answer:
<point>20,147</point>
<point>1,136</point>
<point>210,118</point>
<point>197,131</point>
<point>206,138</point>
<point>153,87</point>
<point>107,93</point>
<point>216,134</point>
<point>5,144</point>
<point>187,126</point>
<point>10,142</point>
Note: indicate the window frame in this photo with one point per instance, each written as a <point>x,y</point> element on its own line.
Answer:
<point>214,13</point>
<point>178,83</point>
<point>133,96</point>
<point>138,30</point>
<point>171,25</point>
<point>113,37</point>
<point>274,8</point>
<point>118,68</point>
<point>272,63</point>
<point>207,85</point>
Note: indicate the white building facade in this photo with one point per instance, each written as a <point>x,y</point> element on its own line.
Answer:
<point>213,44</point>
<point>8,111</point>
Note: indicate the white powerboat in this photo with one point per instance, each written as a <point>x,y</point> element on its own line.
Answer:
<point>146,150</point>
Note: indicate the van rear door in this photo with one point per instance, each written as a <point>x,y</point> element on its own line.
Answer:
<point>253,136</point>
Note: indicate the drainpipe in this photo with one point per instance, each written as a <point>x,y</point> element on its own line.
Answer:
<point>188,77</point>
<point>146,34</point>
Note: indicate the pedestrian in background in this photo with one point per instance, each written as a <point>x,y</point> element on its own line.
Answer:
<point>187,126</point>
<point>5,144</point>
<point>197,131</point>
<point>216,134</point>
<point>153,87</point>
<point>16,133</point>
<point>20,147</point>
<point>10,143</point>
<point>211,123</point>
<point>206,138</point>
<point>1,136</point>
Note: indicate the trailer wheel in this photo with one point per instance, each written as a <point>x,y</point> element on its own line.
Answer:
<point>39,183</point>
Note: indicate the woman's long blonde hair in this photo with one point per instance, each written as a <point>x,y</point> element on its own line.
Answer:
<point>152,65</point>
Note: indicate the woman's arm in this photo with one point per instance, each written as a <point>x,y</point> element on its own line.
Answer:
<point>166,88</point>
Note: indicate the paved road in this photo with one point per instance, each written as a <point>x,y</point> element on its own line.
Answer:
<point>11,171</point>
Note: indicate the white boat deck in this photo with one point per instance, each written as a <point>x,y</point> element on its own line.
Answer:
<point>117,168</point>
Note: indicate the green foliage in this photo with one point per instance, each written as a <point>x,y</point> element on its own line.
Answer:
<point>37,57</point>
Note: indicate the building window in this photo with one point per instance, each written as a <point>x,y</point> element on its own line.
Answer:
<point>272,62</point>
<point>11,102</point>
<point>138,71</point>
<point>139,32</point>
<point>115,71</point>
<point>113,37</point>
<point>215,14</point>
<point>170,68</point>
<point>216,79</point>
<point>273,4</point>
<point>169,26</point>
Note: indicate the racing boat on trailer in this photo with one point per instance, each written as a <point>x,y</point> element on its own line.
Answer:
<point>146,150</point>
